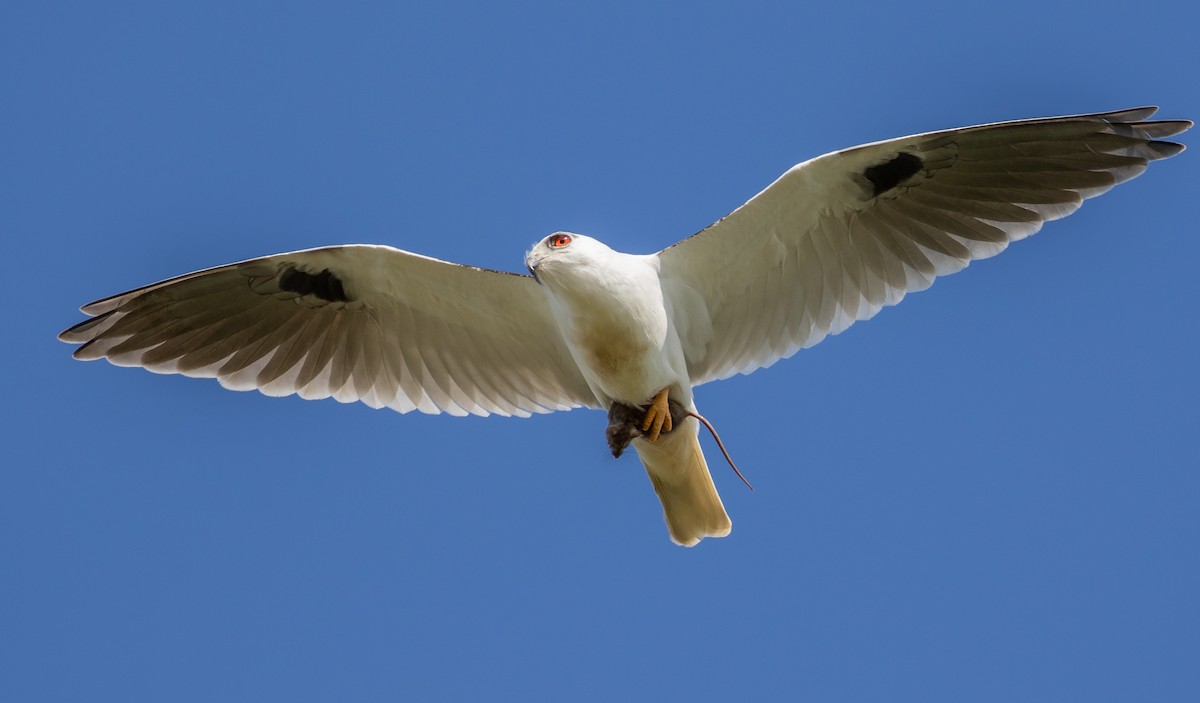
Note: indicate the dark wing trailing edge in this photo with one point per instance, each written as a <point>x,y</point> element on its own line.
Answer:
<point>356,323</point>
<point>837,238</point>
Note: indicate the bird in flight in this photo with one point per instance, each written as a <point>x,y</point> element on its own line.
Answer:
<point>832,241</point>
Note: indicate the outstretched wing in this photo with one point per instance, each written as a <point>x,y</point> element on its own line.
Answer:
<point>838,237</point>
<point>368,323</point>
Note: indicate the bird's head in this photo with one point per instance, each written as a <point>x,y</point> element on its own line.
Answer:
<point>561,252</point>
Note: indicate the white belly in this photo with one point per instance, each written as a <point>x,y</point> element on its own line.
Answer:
<point>622,362</point>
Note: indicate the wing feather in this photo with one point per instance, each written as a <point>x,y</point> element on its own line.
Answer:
<point>316,363</point>
<point>837,238</point>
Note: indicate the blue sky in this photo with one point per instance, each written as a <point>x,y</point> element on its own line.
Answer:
<point>987,493</point>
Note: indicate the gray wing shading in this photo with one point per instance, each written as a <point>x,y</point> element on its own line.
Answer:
<point>356,323</point>
<point>838,237</point>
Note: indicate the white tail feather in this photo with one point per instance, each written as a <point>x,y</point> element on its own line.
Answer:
<point>679,473</point>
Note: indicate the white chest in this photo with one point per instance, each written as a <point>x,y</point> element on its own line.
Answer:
<point>615,321</point>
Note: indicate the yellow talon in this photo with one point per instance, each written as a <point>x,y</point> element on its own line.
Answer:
<point>658,416</point>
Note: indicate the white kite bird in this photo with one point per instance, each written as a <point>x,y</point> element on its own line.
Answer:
<point>831,241</point>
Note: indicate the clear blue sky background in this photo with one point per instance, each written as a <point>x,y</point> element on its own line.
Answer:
<point>988,493</point>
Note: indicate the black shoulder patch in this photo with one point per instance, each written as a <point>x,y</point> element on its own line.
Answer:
<point>889,174</point>
<point>324,285</point>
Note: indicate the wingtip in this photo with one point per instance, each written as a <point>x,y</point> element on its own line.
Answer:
<point>1165,150</point>
<point>72,334</point>
<point>98,307</point>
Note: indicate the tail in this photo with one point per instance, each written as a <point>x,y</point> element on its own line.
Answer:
<point>677,470</point>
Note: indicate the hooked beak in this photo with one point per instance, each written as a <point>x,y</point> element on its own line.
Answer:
<point>532,264</point>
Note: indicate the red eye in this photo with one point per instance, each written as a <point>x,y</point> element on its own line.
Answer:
<point>560,240</point>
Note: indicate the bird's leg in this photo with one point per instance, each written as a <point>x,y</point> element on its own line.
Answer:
<point>658,416</point>
<point>625,423</point>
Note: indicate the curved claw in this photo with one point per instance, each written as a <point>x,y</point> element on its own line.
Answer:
<point>658,416</point>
